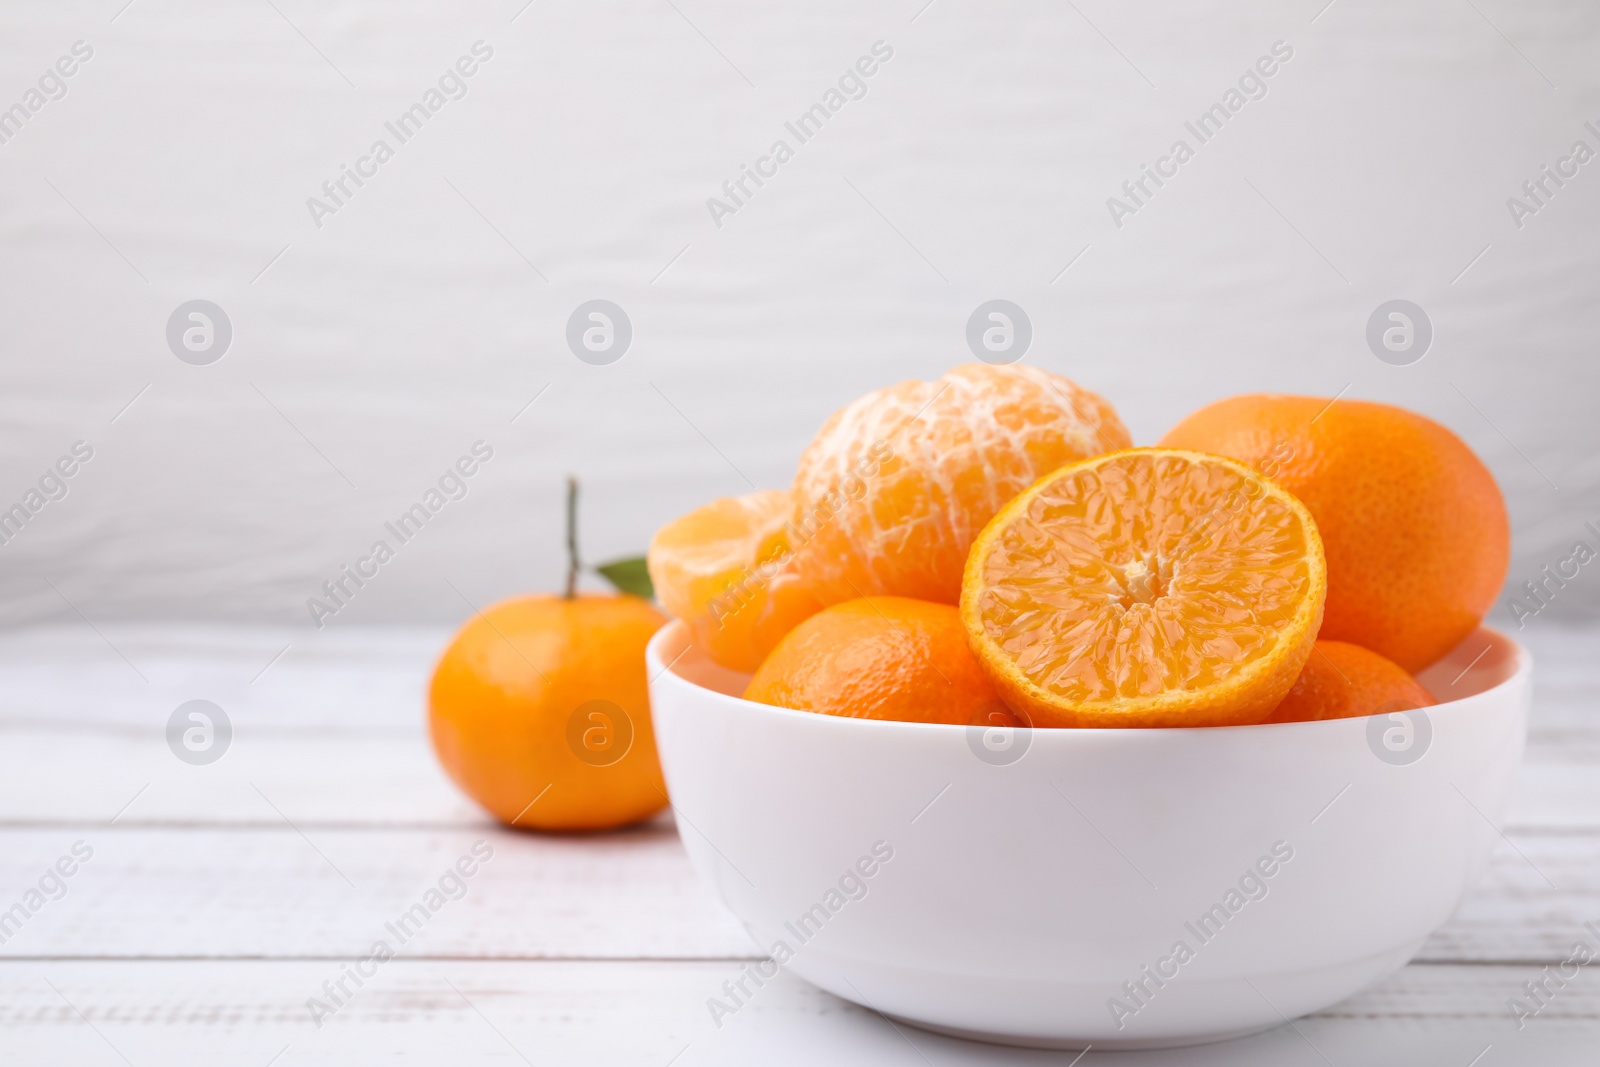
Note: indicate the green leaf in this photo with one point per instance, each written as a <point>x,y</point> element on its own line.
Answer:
<point>629,576</point>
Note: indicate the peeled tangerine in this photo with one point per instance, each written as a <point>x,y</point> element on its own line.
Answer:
<point>726,569</point>
<point>894,488</point>
<point>1151,587</point>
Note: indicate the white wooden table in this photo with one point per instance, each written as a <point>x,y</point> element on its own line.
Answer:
<point>219,899</point>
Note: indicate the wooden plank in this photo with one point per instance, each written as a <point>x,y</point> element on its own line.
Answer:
<point>334,733</point>
<point>1531,904</point>
<point>87,775</point>
<point>597,1013</point>
<point>287,892</point>
<point>344,680</point>
<point>272,890</point>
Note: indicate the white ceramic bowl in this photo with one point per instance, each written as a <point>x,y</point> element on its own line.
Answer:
<point>928,872</point>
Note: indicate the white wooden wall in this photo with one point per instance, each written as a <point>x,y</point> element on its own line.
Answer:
<point>371,352</point>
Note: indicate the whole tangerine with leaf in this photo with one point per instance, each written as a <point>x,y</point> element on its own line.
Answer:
<point>539,706</point>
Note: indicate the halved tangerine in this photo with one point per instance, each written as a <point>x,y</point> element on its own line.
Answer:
<point>1149,587</point>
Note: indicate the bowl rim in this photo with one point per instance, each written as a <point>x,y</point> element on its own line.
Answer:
<point>659,670</point>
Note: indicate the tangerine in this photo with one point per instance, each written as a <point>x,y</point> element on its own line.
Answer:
<point>893,489</point>
<point>878,658</point>
<point>1150,587</point>
<point>539,711</point>
<point>725,569</point>
<point>1342,680</point>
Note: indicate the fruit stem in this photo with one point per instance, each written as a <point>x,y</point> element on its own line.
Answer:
<point>572,538</point>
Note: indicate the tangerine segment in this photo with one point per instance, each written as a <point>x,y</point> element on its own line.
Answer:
<point>1151,587</point>
<point>895,486</point>
<point>726,570</point>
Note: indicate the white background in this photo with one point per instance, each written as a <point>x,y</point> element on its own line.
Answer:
<point>373,351</point>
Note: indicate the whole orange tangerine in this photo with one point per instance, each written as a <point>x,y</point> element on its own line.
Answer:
<point>879,658</point>
<point>1342,680</point>
<point>539,711</point>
